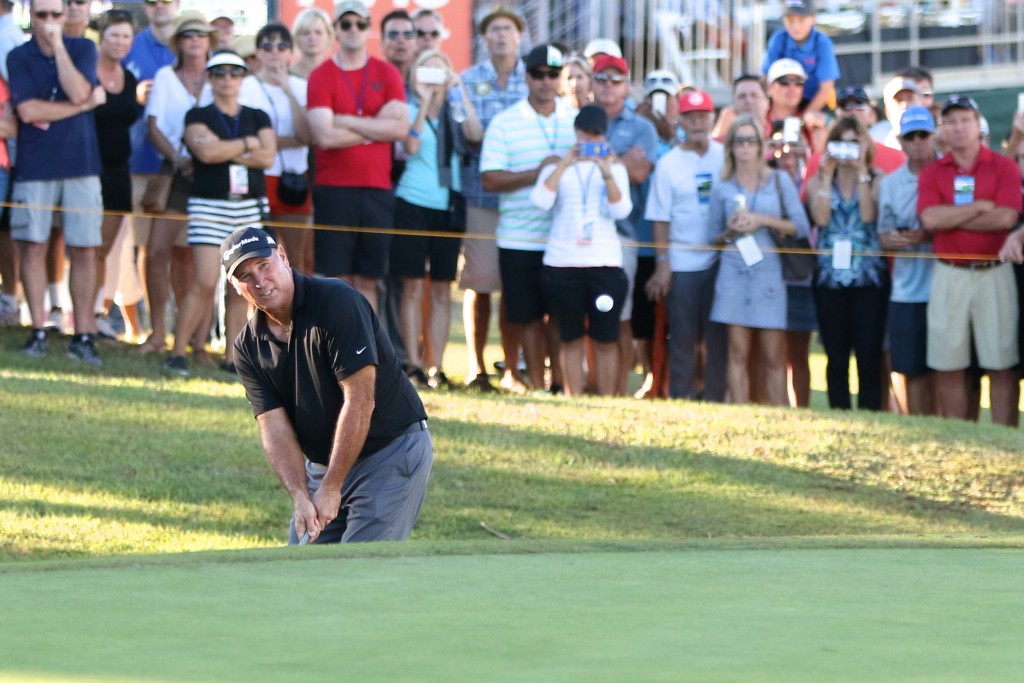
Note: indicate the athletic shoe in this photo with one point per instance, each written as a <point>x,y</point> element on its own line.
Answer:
<point>480,383</point>
<point>83,348</point>
<point>436,379</point>
<point>556,390</point>
<point>418,378</point>
<point>104,329</point>
<point>176,365</point>
<point>513,385</point>
<point>55,318</point>
<point>37,345</point>
<point>10,315</point>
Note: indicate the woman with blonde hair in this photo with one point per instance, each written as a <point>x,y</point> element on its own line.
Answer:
<point>428,203</point>
<point>577,74</point>
<point>314,38</point>
<point>748,204</point>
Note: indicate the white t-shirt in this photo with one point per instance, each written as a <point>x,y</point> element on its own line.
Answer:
<point>583,233</point>
<point>679,195</point>
<point>519,139</point>
<point>168,102</point>
<point>276,104</point>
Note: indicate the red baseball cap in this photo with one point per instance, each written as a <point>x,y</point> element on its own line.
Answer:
<point>609,62</point>
<point>695,100</point>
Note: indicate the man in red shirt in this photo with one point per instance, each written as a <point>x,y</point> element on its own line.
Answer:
<point>356,111</point>
<point>969,200</point>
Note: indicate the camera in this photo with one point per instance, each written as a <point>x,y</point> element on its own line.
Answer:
<point>593,150</point>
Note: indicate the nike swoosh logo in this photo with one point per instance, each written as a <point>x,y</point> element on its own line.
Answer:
<point>360,350</point>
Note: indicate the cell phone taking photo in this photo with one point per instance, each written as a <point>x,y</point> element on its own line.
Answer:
<point>593,150</point>
<point>843,151</point>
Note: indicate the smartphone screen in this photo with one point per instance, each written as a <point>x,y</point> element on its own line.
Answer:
<point>659,102</point>
<point>593,150</point>
<point>431,75</point>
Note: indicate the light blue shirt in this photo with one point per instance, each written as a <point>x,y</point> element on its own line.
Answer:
<point>419,184</point>
<point>897,208</point>
<point>626,131</point>
<point>146,57</point>
<point>11,36</point>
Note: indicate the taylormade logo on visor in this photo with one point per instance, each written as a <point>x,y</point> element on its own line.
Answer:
<point>249,240</point>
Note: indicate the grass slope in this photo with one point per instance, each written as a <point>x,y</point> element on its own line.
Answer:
<point>120,460</point>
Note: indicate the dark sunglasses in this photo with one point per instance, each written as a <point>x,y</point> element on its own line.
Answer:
<point>917,135</point>
<point>786,80</point>
<point>346,25</point>
<point>268,46</point>
<point>154,2</point>
<point>851,106</point>
<point>191,34</point>
<point>225,71</point>
<point>43,15</point>
<point>395,35</point>
<point>609,78</point>
<point>420,33</point>
<point>79,2</point>
<point>539,74</point>
<point>741,140</point>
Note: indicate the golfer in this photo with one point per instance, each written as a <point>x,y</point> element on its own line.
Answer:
<point>341,425</point>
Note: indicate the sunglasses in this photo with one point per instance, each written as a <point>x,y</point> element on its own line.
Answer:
<point>79,2</point>
<point>744,140</point>
<point>225,71</point>
<point>283,46</point>
<point>609,78</point>
<point>155,2</point>
<point>346,25</point>
<point>43,15</point>
<point>786,80</point>
<point>395,35</point>
<point>852,106</point>
<point>420,33</point>
<point>917,135</point>
<point>539,74</point>
<point>927,93</point>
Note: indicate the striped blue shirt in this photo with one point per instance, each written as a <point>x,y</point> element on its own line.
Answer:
<point>517,140</point>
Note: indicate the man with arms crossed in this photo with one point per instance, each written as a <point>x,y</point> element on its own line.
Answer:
<point>356,111</point>
<point>970,200</point>
<point>341,425</point>
<point>53,90</point>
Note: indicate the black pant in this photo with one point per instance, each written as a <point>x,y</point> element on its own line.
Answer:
<point>853,318</point>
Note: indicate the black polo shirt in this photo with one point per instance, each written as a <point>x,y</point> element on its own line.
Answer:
<point>334,334</point>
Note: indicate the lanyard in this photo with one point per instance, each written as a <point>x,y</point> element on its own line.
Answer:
<point>362,95</point>
<point>585,186</point>
<point>553,145</point>
<point>232,131</point>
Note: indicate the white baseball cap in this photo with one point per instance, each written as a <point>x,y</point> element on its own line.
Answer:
<point>785,67</point>
<point>605,46</point>
<point>663,80</point>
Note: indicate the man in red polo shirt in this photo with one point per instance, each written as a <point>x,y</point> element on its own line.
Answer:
<point>356,111</point>
<point>969,200</point>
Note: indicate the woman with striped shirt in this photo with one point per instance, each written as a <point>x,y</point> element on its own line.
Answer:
<point>231,146</point>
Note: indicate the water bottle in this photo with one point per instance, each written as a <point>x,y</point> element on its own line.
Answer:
<point>457,104</point>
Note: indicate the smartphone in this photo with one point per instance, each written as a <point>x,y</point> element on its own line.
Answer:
<point>431,75</point>
<point>1020,101</point>
<point>593,150</point>
<point>791,129</point>
<point>659,102</point>
<point>842,151</point>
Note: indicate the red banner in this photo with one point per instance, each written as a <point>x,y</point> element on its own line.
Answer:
<point>458,22</point>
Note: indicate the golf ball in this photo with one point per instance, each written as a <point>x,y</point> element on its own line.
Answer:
<point>604,303</point>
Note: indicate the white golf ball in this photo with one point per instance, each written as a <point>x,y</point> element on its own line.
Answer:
<point>604,303</point>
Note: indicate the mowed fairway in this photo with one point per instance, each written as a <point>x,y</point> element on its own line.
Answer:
<point>693,614</point>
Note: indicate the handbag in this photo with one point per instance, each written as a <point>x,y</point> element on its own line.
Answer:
<point>158,189</point>
<point>795,266</point>
<point>292,188</point>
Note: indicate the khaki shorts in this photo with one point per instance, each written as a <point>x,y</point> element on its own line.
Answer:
<point>963,300</point>
<point>141,225</point>
<point>35,201</point>
<point>479,269</point>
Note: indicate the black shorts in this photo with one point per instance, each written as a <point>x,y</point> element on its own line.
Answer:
<point>410,253</point>
<point>181,190</point>
<point>116,186</point>
<point>908,338</point>
<point>574,295</point>
<point>521,290</point>
<point>351,252</point>
<point>642,321</point>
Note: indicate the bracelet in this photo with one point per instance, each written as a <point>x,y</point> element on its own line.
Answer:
<point>825,194</point>
<point>414,134</point>
<point>866,178</point>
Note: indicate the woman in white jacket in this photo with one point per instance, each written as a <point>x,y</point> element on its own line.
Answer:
<point>583,280</point>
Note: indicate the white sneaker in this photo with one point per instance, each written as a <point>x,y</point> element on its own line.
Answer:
<point>56,319</point>
<point>103,327</point>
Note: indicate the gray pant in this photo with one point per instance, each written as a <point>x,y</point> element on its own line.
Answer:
<point>382,494</point>
<point>688,309</point>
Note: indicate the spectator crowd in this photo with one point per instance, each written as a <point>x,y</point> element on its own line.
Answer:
<point>621,226</point>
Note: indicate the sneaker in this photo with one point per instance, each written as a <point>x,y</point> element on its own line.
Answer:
<point>83,348</point>
<point>418,378</point>
<point>436,379</point>
<point>480,383</point>
<point>55,318</point>
<point>10,315</point>
<point>556,390</point>
<point>104,330</point>
<point>176,365</point>
<point>37,345</point>
<point>513,385</point>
